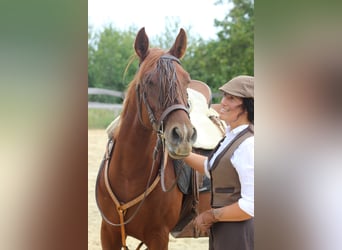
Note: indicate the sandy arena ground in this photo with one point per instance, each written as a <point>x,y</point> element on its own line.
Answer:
<point>97,140</point>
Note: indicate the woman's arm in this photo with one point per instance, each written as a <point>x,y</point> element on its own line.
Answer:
<point>231,213</point>
<point>196,161</point>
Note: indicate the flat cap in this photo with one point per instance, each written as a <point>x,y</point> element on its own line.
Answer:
<point>241,86</point>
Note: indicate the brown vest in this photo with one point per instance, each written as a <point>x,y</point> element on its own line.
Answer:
<point>225,183</point>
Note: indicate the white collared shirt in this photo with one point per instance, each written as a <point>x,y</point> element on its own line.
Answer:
<point>243,161</point>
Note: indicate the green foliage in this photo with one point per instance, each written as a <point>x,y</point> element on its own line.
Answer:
<point>237,40</point>
<point>109,53</point>
<point>217,61</point>
<point>104,99</point>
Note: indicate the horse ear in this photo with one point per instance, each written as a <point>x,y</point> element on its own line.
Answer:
<point>179,47</point>
<point>141,44</point>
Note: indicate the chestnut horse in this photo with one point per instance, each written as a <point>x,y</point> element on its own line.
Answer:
<point>154,129</point>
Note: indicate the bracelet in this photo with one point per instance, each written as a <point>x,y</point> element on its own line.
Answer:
<point>215,213</point>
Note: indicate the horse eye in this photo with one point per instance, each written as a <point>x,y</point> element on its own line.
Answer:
<point>151,83</point>
<point>189,105</point>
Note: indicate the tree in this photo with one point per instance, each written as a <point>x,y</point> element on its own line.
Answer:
<point>91,55</point>
<point>218,60</point>
<point>109,53</point>
<point>237,40</point>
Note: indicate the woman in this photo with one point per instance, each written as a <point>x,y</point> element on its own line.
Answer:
<point>231,170</point>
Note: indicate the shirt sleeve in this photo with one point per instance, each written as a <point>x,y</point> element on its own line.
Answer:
<point>243,161</point>
<point>206,171</point>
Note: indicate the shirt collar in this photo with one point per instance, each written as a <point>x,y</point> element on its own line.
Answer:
<point>236,130</point>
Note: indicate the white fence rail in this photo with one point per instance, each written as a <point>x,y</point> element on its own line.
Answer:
<point>98,91</point>
<point>110,106</point>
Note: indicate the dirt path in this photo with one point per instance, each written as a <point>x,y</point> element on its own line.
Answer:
<point>97,140</point>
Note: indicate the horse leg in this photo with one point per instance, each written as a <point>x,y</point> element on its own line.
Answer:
<point>110,237</point>
<point>158,241</point>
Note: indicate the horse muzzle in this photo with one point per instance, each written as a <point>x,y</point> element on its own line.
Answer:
<point>179,140</point>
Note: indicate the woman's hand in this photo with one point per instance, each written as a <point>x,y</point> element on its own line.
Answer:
<point>205,220</point>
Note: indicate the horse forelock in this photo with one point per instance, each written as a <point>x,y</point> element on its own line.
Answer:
<point>168,82</point>
<point>163,72</point>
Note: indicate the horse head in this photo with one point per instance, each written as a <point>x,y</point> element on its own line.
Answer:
<point>161,85</point>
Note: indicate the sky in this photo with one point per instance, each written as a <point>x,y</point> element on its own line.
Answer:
<point>151,14</point>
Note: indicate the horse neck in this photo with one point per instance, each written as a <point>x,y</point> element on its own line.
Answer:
<point>135,143</point>
<point>132,168</point>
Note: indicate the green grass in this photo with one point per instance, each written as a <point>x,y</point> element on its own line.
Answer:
<point>100,118</point>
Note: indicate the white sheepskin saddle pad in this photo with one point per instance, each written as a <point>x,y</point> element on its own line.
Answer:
<point>203,119</point>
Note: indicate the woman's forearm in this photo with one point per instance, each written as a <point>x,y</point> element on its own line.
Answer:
<point>196,162</point>
<point>230,213</point>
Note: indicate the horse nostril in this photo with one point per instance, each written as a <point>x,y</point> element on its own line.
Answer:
<point>193,136</point>
<point>176,134</point>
